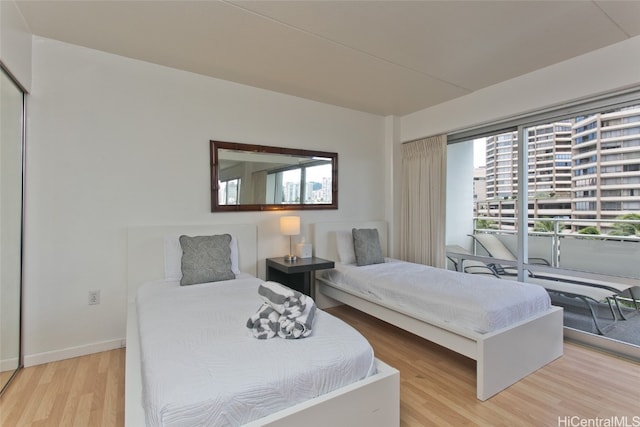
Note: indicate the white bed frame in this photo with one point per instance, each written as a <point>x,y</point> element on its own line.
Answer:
<point>502,357</point>
<point>374,401</point>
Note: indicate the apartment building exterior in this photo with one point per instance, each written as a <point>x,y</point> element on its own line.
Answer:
<point>587,168</point>
<point>606,165</point>
<point>548,173</point>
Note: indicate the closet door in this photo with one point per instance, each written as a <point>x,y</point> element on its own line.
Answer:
<point>11,184</point>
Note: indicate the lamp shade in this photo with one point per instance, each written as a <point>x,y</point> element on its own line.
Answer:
<point>290,225</point>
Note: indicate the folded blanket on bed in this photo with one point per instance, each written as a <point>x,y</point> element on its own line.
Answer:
<point>285,312</point>
<point>299,325</point>
<point>282,298</point>
<point>265,323</point>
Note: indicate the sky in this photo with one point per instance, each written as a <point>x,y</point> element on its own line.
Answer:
<point>479,153</point>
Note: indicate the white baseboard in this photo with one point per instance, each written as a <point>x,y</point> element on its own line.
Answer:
<point>68,353</point>
<point>10,364</point>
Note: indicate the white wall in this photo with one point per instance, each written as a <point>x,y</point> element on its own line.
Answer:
<point>114,142</point>
<point>392,188</point>
<point>15,43</point>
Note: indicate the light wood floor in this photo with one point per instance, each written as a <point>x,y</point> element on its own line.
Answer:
<point>84,391</point>
<point>437,387</point>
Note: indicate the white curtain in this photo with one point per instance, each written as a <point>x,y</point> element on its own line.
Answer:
<point>422,225</point>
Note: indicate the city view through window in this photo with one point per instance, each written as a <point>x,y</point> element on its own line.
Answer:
<point>582,232</point>
<point>291,185</point>
<point>584,173</point>
<point>314,188</point>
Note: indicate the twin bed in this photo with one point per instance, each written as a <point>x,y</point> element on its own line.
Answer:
<point>510,330</point>
<point>190,347</point>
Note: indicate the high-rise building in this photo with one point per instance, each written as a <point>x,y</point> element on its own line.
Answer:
<point>606,165</point>
<point>502,166</point>
<point>479,185</point>
<point>548,173</point>
<point>588,168</point>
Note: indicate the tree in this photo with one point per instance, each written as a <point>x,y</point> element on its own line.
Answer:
<point>483,223</point>
<point>545,225</point>
<point>626,228</point>
<point>589,230</point>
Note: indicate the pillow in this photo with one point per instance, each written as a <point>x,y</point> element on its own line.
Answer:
<point>206,259</point>
<point>173,257</point>
<point>366,244</point>
<point>344,241</point>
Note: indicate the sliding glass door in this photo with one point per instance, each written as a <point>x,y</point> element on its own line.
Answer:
<point>556,202</point>
<point>11,183</point>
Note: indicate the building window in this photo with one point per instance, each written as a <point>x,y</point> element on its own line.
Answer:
<point>228,192</point>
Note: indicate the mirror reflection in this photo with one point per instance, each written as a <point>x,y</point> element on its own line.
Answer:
<point>11,146</point>
<point>253,177</point>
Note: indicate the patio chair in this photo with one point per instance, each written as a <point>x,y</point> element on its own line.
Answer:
<point>618,288</point>
<point>496,249</point>
<point>458,257</point>
<point>587,294</point>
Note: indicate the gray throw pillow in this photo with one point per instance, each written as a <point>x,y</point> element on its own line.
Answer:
<point>366,245</point>
<point>205,259</point>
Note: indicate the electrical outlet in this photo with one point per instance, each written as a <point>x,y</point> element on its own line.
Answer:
<point>94,297</point>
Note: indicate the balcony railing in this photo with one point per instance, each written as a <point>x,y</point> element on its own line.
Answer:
<point>613,254</point>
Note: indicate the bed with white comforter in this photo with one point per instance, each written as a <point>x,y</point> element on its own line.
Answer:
<point>201,366</point>
<point>509,329</point>
<point>474,303</point>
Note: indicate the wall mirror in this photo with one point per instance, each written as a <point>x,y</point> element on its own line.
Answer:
<point>246,177</point>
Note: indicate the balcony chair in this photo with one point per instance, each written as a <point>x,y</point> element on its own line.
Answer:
<point>496,249</point>
<point>458,257</point>
<point>587,294</point>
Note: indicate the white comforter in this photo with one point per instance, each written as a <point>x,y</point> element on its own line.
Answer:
<point>466,302</point>
<point>200,365</point>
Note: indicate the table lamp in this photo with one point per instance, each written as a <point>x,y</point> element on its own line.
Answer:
<point>290,226</point>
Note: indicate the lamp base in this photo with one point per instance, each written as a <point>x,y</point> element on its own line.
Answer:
<point>290,258</point>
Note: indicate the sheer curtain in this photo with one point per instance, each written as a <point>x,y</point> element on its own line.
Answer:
<point>422,225</point>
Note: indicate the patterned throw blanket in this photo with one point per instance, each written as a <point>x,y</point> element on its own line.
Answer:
<point>285,313</point>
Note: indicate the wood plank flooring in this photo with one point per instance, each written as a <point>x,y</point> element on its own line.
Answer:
<point>83,391</point>
<point>437,387</point>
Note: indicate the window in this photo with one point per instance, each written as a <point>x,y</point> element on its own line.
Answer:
<point>318,184</point>
<point>312,184</point>
<point>583,176</point>
<point>228,192</point>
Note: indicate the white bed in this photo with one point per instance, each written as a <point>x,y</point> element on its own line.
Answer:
<point>372,401</point>
<point>503,356</point>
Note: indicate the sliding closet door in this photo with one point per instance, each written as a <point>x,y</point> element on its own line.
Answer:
<point>11,182</point>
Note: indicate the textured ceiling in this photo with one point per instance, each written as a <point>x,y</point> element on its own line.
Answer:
<point>382,57</point>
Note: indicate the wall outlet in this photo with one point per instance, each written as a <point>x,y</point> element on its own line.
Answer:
<point>94,297</point>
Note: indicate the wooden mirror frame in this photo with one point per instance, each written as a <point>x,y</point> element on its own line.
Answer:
<point>215,146</point>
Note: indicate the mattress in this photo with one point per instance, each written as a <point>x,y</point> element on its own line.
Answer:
<point>200,365</point>
<point>463,302</point>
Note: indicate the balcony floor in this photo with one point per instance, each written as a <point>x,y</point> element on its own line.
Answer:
<point>578,316</point>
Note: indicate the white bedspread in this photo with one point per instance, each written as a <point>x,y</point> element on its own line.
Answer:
<point>465,301</point>
<point>200,365</point>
